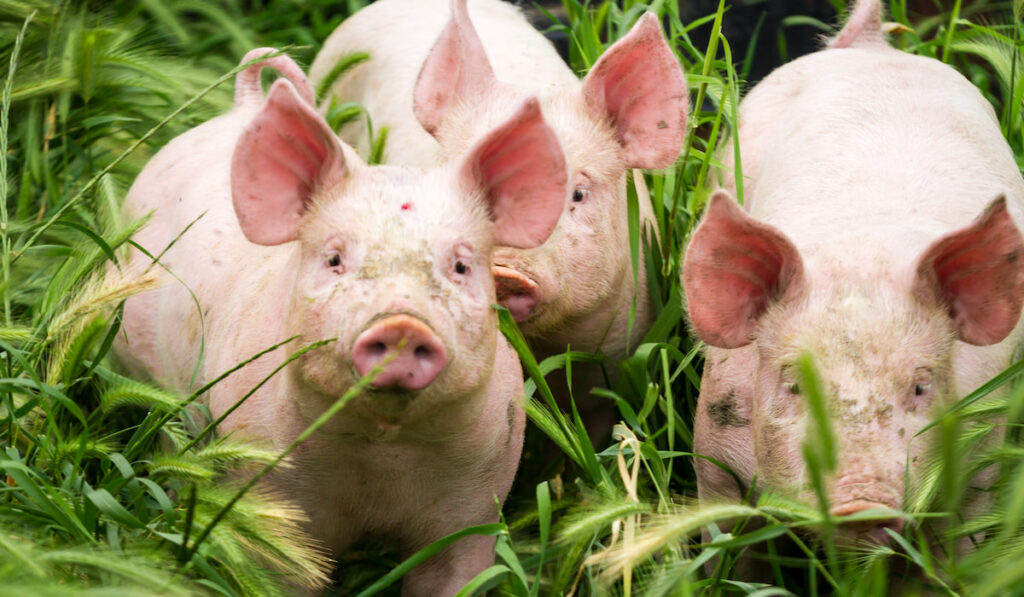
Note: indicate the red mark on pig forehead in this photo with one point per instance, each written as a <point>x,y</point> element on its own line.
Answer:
<point>407,206</point>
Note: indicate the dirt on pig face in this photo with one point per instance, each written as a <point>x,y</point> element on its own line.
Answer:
<point>885,361</point>
<point>419,246</point>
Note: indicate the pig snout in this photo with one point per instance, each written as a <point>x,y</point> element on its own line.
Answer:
<point>515,292</point>
<point>419,355</point>
<point>853,494</point>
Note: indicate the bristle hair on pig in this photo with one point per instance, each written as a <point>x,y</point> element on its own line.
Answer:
<point>294,235</point>
<point>459,68</point>
<point>880,233</point>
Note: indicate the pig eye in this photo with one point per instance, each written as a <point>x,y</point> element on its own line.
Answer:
<point>333,261</point>
<point>460,264</point>
<point>793,388</point>
<point>923,383</point>
<point>578,195</point>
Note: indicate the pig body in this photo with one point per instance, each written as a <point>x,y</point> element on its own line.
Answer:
<point>629,112</point>
<point>863,169</point>
<point>385,261</point>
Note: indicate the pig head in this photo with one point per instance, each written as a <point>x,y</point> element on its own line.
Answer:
<point>853,247</point>
<point>886,343</point>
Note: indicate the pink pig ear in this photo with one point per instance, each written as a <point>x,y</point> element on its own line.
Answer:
<point>978,275</point>
<point>249,91</point>
<point>285,153</point>
<point>735,267</point>
<point>639,86</point>
<point>456,69</point>
<point>520,169</point>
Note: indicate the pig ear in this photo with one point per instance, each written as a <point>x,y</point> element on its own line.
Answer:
<point>285,153</point>
<point>735,267</point>
<point>456,69</point>
<point>249,91</point>
<point>520,170</point>
<point>639,86</point>
<point>976,274</point>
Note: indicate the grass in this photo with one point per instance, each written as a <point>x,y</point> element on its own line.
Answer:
<point>110,486</point>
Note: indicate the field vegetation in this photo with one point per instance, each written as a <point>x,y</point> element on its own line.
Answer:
<point>111,485</point>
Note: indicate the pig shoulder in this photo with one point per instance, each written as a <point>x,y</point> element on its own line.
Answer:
<point>183,191</point>
<point>186,163</point>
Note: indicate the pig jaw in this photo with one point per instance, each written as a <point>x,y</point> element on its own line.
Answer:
<point>885,363</point>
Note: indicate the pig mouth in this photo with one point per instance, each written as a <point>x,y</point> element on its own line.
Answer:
<point>873,530</point>
<point>857,493</point>
<point>516,292</point>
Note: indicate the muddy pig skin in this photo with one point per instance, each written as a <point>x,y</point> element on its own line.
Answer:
<point>881,233</point>
<point>300,237</point>
<point>429,71</point>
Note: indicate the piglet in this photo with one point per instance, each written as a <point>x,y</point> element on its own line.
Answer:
<point>880,232</point>
<point>294,235</point>
<point>429,72</point>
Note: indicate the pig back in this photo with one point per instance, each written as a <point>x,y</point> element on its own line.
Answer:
<point>398,35</point>
<point>186,189</point>
<point>857,151</point>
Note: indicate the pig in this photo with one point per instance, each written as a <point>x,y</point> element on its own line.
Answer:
<point>880,232</point>
<point>294,235</point>
<point>629,112</point>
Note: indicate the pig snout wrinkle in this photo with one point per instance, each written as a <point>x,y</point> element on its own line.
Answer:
<point>417,354</point>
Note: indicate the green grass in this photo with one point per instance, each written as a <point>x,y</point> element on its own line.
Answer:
<point>109,485</point>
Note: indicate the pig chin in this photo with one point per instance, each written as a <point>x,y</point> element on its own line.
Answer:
<point>385,405</point>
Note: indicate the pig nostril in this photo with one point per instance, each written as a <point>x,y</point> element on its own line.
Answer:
<point>407,351</point>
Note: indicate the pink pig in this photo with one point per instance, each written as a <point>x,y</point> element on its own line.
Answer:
<point>629,112</point>
<point>879,234</point>
<point>294,235</point>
